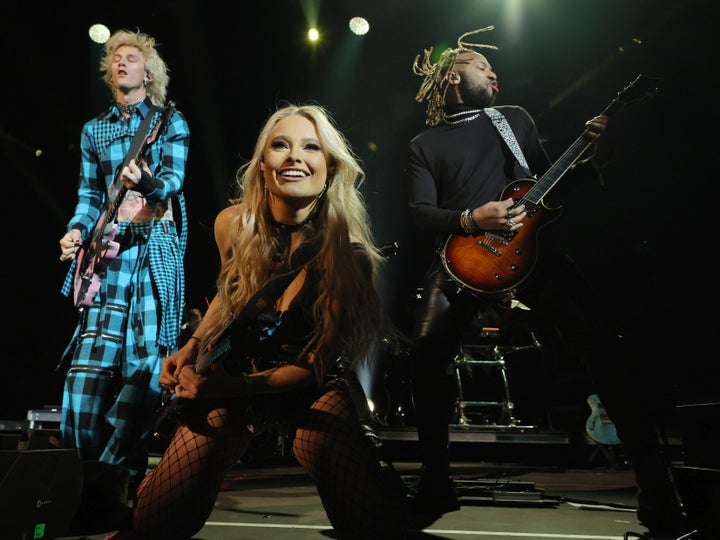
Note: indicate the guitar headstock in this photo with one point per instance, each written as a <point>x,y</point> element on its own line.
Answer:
<point>642,88</point>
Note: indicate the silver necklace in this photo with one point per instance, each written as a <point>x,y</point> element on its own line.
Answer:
<point>127,108</point>
<point>462,117</point>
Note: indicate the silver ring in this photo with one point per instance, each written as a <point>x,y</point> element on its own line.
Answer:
<point>510,214</point>
<point>510,223</point>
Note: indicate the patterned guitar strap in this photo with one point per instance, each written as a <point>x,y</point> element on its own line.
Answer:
<point>506,132</point>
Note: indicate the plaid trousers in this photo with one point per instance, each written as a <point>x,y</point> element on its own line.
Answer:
<point>111,393</point>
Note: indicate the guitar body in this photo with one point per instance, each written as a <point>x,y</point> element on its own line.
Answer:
<point>92,261</point>
<point>171,412</point>
<point>598,425</point>
<point>496,261</point>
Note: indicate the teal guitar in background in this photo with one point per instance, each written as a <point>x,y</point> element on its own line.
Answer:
<point>599,426</point>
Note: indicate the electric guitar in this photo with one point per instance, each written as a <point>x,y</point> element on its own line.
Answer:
<point>496,261</point>
<point>96,253</point>
<point>271,289</point>
<point>226,343</point>
<point>599,426</point>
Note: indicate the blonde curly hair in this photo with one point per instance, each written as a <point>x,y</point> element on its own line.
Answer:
<point>435,84</point>
<point>155,66</point>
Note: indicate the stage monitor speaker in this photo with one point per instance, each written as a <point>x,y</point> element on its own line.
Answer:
<point>39,492</point>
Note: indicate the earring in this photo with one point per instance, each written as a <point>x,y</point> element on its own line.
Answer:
<point>324,189</point>
<point>146,81</point>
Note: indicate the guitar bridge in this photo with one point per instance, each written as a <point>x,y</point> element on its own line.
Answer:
<point>489,248</point>
<point>497,238</point>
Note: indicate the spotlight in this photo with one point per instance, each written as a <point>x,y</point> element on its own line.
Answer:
<point>313,34</point>
<point>359,26</point>
<point>99,33</point>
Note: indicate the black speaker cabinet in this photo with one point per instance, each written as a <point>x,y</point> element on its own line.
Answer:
<point>39,492</point>
<point>699,489</point>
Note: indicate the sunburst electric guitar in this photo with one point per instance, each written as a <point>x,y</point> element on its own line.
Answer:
<point>497,261</point>
<point>95,254</point>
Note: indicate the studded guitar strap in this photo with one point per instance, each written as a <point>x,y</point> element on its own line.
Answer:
<point>506,132</point>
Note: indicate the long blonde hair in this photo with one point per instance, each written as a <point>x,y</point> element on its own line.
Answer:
<point>435,83</point>
<point>157,68</point>
<point>340,220</point>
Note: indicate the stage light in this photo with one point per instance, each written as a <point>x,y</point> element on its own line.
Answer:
<point>359,26</point>
<point>99,33</point>
<point>313,34</point>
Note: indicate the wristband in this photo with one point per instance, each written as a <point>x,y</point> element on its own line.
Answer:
<point>467,223</point>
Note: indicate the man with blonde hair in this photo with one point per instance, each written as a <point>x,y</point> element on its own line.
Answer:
<point>125,241</point>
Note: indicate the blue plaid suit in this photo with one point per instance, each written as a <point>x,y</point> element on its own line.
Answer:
<point>113,360</point>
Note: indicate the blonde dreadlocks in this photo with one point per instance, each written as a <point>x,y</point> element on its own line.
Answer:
<point>434,85</point>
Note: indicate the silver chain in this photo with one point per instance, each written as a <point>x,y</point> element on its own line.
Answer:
<point>462,117</point>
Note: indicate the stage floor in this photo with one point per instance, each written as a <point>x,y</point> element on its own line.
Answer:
<point>498,501</point>
<point>513,483</point>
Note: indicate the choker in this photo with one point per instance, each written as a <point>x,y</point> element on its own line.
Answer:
<point>126,108</point>
<point>462,117</point>
<point>289,227</point>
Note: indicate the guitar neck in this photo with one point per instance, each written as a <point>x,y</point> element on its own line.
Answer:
<point>558,169</point>
<point>114,204</point>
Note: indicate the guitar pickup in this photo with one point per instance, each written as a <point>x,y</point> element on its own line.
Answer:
<point>502,238</point>
<point>489,248</point>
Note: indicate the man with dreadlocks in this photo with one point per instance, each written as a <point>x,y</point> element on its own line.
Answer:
<point>457,168</point>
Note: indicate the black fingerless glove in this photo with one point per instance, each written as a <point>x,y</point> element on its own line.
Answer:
<point>147,183</point>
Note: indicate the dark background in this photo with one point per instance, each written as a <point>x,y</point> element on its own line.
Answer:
<point>641,245</point>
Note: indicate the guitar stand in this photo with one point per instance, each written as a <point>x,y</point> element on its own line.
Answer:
<point>611,456</point>
<point>492,355</point>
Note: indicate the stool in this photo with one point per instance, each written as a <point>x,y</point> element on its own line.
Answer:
<point>489,355</point>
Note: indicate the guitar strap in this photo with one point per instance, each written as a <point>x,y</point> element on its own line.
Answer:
<point>268,294</point>
<point>271,291</point>
<point>506,132</point>
<point>136,144</point>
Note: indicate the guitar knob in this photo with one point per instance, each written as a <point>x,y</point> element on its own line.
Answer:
<point>514,267</point>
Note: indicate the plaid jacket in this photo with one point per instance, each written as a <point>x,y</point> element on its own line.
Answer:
<point>104,143</point>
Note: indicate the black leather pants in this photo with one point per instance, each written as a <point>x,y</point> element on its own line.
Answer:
<point>441,318</point>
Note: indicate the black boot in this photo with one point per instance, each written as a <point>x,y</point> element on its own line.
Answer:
<point>432,496</point>
<point>104,506</point>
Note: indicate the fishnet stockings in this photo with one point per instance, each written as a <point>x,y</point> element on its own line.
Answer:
<point>176,498</point>
<point>362,498</point>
